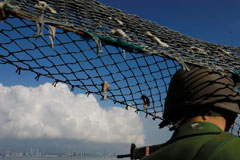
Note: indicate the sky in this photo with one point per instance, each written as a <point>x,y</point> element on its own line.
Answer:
<point>39,115</point>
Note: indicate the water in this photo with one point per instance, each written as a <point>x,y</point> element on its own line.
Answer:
<point>62,158</point>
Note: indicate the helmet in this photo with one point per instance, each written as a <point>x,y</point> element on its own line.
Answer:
<point>197,88</point>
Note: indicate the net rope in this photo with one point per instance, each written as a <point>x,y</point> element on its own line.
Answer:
<point>104,51</point>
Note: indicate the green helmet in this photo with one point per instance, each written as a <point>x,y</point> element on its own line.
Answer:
<point>198,88</point>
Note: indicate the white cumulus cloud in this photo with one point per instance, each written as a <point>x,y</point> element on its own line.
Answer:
<point>55,112</point>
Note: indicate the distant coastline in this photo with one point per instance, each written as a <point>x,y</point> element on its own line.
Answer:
<point>37,154</point>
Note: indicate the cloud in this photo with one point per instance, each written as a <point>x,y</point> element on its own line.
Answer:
<point>55,112</point>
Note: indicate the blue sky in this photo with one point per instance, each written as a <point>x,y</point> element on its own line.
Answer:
<point>215,21</point>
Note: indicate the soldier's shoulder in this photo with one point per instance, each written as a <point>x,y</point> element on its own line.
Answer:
<point>229,149</point>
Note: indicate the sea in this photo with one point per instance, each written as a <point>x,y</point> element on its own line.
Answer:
<point>60,158</point>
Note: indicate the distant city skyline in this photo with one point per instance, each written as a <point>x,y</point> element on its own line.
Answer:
<point>35,152</point>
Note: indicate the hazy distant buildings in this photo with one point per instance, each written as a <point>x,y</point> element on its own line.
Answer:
<point>36,153</point>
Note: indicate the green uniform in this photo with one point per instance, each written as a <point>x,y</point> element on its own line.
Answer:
<point>198,141</point>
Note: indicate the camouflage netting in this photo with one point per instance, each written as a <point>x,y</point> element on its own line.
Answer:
<point>103,51</point>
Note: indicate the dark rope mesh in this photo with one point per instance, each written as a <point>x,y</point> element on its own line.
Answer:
<point>75,61</point>
<point>138,57</point>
